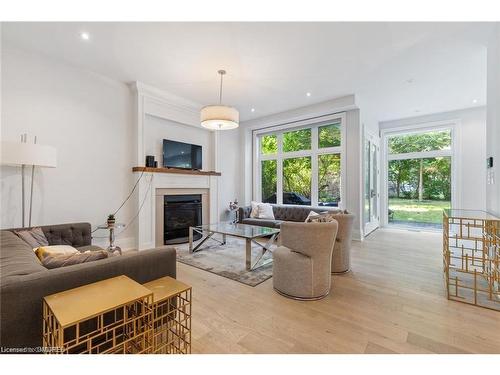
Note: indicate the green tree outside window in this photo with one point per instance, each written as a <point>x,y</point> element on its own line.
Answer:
<point>329,136</point>
<point>297,140</point>
<point>269,144</point>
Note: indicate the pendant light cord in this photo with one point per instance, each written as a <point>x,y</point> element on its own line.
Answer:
<point>220,90</point>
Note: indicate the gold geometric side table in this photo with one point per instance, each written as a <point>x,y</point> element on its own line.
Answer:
<point>109,316</point>
<point>171,316</point>
<point>471,257</point>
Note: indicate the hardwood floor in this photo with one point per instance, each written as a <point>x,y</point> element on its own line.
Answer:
<point>393,301</point>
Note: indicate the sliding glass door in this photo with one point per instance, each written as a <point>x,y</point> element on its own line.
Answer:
<point>371,183</point>
<point>419,178</point>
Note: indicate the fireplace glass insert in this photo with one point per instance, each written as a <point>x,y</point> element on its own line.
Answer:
<point>179,213</point>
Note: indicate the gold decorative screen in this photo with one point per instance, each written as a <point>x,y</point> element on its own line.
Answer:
<point>471,257</point>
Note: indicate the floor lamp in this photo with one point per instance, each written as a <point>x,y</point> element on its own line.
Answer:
<point>28,154</point>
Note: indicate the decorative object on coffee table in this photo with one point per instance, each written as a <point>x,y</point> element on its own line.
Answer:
<point>109,316</point>
<point>471,257</point>
<point>111,226</point>
<point>234,208</point>
<point>111,220</point>
<point>171,316</point>
<point>248,232</point>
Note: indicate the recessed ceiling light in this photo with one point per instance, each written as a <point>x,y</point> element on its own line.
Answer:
<point>252,110</point>
<point>474,101</point>
<point>308,94</point>
<point>85,36</point>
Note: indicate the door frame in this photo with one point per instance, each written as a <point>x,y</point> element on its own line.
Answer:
<point>370,226</point>
<point>454,126</point>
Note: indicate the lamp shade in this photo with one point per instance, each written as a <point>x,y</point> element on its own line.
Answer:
<point>219,117</point>
<point>19,153</point>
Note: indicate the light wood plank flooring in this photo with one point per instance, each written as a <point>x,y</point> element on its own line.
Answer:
<point>393,301</point>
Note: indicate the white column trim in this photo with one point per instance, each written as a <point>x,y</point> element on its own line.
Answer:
<point>153,101</point>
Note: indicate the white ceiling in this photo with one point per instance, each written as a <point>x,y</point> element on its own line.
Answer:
<point>271,66</point>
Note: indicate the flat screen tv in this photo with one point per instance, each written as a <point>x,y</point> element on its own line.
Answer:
<point>181,155</point>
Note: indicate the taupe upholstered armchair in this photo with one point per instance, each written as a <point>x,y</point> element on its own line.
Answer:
<point>341,258</point>
<point>302,264</point>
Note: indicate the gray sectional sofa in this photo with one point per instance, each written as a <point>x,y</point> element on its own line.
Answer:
<point>341,260</point>
<point>24,281</point>
<point>282,213</point>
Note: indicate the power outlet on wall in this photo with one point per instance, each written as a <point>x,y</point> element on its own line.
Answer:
<point>490,176</point>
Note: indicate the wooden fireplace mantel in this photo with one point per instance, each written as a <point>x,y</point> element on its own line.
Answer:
<point>175,171</point>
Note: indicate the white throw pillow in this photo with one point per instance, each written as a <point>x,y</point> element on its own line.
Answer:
<point>311,214</point>
<point>265,211</point>
<point>54,250</point>
<point>255,209</point>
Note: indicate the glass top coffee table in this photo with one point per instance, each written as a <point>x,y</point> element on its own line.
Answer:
<point>249,232</point>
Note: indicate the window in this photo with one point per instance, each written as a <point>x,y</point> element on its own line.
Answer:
<point>297,181</point>
<point>301,166</point>
<point>419,179</point>
<point>328,179</point>
<point>297,140</point>
<point>269,180</point>
<point>269,145</point>
<point>329,135</point>
<point>419,142</point>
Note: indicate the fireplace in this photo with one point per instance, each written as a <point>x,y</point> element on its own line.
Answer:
<point>179,213</point>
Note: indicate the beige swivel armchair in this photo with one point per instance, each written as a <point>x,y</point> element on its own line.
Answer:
<point>341,258</point>
<point>302,264</point>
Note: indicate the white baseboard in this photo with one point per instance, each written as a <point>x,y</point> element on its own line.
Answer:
<point>356,235</point>
<point>146,246</point>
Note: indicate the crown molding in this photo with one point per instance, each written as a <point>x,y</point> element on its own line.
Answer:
<point>332,106</point>
<point>165,97</point>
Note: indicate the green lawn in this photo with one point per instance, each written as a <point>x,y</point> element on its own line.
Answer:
<point>411,210</point>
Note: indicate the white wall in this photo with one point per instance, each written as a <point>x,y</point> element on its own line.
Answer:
<point>471,152</point>
<point>368,113</point>
<point>353,173</point>
<point>229,165</point>
<point>493,123</point>
<point>88,119</point>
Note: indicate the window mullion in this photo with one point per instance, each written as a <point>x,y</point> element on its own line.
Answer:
<point>279,170</point>
<point>330,150</point>
<point>268,157</point>
<point>314,166</point>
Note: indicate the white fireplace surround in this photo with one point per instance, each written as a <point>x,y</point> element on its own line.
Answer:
<point>151,101</point>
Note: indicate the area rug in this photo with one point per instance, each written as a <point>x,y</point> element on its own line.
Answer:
<point>227,260</point>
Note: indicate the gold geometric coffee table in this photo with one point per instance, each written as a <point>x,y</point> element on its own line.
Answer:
<point>171,316</point>
<point>109,316</point>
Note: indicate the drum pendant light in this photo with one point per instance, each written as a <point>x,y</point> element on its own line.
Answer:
<point>219,116</point>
